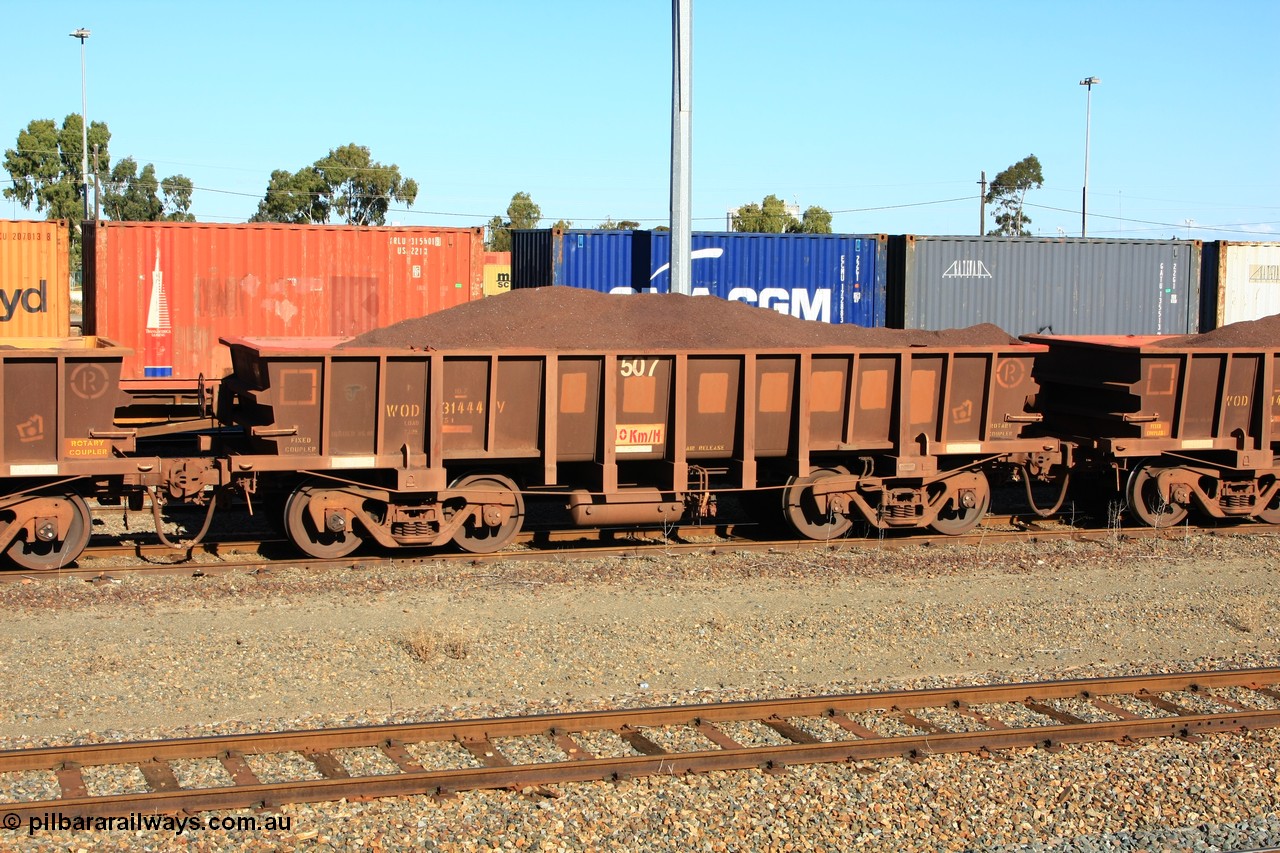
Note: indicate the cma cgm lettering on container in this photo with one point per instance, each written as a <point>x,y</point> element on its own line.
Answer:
<point>832,278</point>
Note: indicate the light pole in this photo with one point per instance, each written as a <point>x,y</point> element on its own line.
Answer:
<point>83,34</point>
<point>1088,83</point>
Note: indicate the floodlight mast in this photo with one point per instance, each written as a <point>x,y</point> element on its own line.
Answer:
<point>83,34</point>
<point>1088,83</point>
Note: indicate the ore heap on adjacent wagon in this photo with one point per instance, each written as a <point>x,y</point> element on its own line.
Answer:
<point>569,318</point>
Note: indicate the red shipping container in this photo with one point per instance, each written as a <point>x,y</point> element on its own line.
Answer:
<point>169,290</point>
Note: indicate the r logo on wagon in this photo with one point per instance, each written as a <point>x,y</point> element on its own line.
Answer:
<point>640,438</point>
<point>88,381</point>
<point>1010,372</point>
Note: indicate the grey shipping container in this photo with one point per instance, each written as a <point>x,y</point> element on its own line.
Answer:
<point>1026,285</point>
<point>1240,281</point>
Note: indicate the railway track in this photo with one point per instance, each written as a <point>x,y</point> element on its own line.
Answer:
<point>270,770</point>
<point>136,557</point>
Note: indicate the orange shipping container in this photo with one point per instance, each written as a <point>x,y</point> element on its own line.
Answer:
<point>35,282</point>
<point>169,290</point>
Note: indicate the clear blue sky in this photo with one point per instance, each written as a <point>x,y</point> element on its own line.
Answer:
<point>884,113</point>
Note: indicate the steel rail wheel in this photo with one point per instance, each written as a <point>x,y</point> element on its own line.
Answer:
<point>315,541</point>
<point>40,555</point>
<point>1146,502</point>
<point>501,513</point>
<point>1271,513</point>
<point>956,518</point>
<point>801,510</point>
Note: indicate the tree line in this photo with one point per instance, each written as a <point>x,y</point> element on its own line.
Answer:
<point>348,185</point>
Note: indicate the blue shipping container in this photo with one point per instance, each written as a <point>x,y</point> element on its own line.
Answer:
<point>832,278</point>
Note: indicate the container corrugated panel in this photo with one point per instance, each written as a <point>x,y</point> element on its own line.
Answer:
<point>593,260</point>
<point>833,278</point>
<point>497,273</point>
<point>169,290</point>
<point>1241,282</point>
<point>1066,286</point>
<point>35,282</point>
<point>531,258</point>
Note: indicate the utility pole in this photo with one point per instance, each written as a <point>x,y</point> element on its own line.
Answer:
<point>982,205</point>
<point>681,143</point>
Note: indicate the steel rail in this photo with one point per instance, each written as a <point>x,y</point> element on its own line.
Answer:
<point>637,544</point>
<point>476,737</point>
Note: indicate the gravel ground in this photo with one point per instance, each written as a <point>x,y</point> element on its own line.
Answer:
<point>151,657</point>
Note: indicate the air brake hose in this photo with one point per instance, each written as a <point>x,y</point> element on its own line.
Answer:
<point>180,546</point>
<point>1031,501</point>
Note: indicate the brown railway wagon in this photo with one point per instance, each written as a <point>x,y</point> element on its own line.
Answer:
<point>1184,424</point>
<point>413,447</point>
<point>59,397</point>
<point>61,442</point>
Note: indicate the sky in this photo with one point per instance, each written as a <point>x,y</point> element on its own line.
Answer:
<point>885,113</point>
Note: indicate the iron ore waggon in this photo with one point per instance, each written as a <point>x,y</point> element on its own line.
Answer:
<point>1172,423</point>
<point>352,441</point>
<point>59,397</point>
<point>420,448</point>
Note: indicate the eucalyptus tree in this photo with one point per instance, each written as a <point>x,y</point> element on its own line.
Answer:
<point>347,184</point>
<point>1008,192</point>
<point>45,167</point>
<point>522,213</point>
<point>772,216</point>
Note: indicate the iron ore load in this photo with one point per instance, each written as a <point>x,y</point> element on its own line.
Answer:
<point>640,410</point>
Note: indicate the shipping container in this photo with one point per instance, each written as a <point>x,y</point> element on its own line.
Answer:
<point>497,273</point>
<point>593,260</point>
<point>35,281</point>
<point>169,290</point>
<point>1240,281</point>
<point>1066,286</point>
<point>832,278</point>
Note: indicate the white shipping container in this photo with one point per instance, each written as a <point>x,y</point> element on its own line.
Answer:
<point>1247,281</point>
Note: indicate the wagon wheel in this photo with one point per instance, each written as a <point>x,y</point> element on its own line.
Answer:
<point>499,520</point>
<point>312,540</point>
<point>955,518</point>
<point>802,512</point>
<point>39,555</point>
<point>1146,502</point>
<point>1271,513</point>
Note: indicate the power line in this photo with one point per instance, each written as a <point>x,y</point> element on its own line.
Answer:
<point>1234,228</point>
